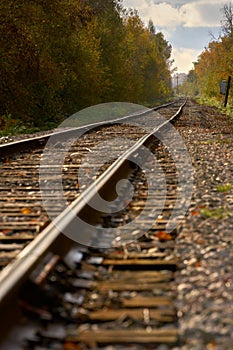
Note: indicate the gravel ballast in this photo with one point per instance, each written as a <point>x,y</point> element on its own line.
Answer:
<point>204,244</point>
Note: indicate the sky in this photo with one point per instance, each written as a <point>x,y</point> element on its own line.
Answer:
<point>188,25</point>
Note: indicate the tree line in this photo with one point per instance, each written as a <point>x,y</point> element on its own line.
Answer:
<point>215,63</point>
<point>60,56</point>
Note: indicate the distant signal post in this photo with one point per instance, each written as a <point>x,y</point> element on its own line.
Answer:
<point>227,90</point>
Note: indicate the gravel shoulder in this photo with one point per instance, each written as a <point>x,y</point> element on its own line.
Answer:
<point>204,244</point>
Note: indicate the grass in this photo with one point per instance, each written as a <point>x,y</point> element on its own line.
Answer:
<point>211,101</point>
<point>224,187</point>
<point>17,129</point>
<point>219,213</point>
<point>13,126</point>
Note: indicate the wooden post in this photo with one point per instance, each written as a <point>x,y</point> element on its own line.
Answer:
<point>227,92</point>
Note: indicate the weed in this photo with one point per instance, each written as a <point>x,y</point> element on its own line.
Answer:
<point>224,187</point>
<point>219,213</point>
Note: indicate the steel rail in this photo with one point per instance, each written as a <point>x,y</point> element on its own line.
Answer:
<point>12,276</point>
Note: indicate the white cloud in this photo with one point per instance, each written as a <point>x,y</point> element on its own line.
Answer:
<point>199,13</point>
<point>184,58</point>
<point>163,15</point>
<point>136,4</point>
<point>179,3</point>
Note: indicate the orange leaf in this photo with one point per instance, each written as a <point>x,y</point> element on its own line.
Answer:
<point>194,213</point>
<point>198,264</point>
<point>164,236</point>
<point>211,346</point>
<point>6,232</point>
<point>70,346</point>
<point>201,241</point>
<point>201,206</point>
<point>26,211</point>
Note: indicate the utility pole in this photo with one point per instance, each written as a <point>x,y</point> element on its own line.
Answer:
<point>227,91</point>
<point>177,83</point>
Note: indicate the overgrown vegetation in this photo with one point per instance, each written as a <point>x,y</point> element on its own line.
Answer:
<point>214,65</point>
<point>60,56</point>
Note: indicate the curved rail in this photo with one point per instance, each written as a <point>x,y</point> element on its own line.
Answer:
<point>38,141</point>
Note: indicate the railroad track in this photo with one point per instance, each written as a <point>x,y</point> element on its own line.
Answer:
<point>109,285</point>
<point>23,213</point>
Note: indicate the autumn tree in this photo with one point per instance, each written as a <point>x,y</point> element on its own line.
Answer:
<point>216,62</point>
<point>147,56</point>
<point>189,87</point>
<point>50,62</point>
<point>60,56</point>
